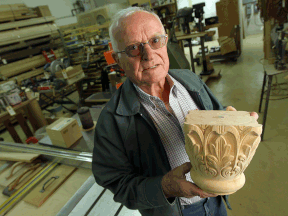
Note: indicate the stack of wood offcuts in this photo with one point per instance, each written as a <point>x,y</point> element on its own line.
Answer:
<point>24,33</point>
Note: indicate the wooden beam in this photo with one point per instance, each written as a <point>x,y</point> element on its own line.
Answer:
<point>28,33</point>
<point>13,56</point>
<point>23,44</point>
<point>28,22</point>
<point>12,131</point>
<point>23,124</point>
<point>24,65</point>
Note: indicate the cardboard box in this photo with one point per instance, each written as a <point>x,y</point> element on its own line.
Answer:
<point>64,132</point>
<point>43,11</point>
<point>227,45</point>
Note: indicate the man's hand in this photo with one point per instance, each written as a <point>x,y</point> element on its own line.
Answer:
<point>254,114</point>
<point>174,184</point>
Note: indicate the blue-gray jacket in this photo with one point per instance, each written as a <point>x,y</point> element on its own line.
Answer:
<point>129,158</point>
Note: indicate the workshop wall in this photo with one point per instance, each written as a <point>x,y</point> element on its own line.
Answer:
<point>58,8</point>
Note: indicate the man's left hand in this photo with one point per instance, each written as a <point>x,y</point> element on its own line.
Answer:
<point>254,114</point>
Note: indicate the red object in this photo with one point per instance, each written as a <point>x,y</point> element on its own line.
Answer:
<point>48,56</point>
<point>110,46</point>
<point>44,87</point>
<point>109,58</point>
<point>118,85</point>
<point>31,140</point>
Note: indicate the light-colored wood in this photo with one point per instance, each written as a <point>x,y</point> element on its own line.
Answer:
<point>13,156</point>
<point>36,197</point>
<point>27,75</point>
<point>28,22</point>
<point>12,173</point>
<point>13,36</point>
<point>21,66</point>
<point>182,36</point>
<point>58,199</point>
<point>220,145</point>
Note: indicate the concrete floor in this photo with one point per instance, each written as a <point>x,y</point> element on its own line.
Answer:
<point>266,188</point>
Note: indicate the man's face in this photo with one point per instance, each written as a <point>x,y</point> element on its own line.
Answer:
<point>140,27</point>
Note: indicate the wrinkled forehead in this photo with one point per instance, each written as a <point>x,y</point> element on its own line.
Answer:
<point>137,27</point>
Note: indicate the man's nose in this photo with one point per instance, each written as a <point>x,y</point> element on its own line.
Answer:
<point>146,53</point>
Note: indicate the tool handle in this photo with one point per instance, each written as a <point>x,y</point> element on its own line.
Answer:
<point>13,168</point>
<point>12,186</point>
<point>43,188</point>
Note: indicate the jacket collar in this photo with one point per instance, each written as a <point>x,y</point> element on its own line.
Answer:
<point>129,103</point>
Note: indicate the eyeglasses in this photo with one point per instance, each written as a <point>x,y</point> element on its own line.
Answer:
<point>156,42</point>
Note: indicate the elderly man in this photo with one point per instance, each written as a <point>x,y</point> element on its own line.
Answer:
<point>139,149</point>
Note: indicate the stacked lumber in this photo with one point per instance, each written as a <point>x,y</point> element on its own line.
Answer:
<point>23,34</point>
<point>26,68</point>
<point>22,42</point>
<point>13,12</point>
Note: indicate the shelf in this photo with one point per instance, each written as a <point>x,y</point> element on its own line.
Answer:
<point>160,6</point>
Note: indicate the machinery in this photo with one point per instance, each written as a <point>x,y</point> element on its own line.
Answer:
<point>280,39</point>
<point>185,16</point>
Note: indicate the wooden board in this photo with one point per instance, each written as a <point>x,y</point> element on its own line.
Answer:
<point>17,55</point>
<point>24,44</point>
<point>24,178</point>
<point>228,14</point>
<point>13,36</point>
<point>24,23</point>
<point>24,65</point>
<point>15,156</point>
<point>58,199</point>
<point>37,197</point>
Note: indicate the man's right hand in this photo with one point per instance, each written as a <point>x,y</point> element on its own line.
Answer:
<point>174,184</point>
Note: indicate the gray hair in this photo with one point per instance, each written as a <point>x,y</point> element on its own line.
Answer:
<point>122,14</point>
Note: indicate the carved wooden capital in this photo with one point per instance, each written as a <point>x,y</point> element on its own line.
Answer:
<point>221,150</point>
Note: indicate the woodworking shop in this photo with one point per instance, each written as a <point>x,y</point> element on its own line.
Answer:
<point>143,107</point>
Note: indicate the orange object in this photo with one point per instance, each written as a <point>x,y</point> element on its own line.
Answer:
<point>109,58</point>
<point>118,85</point>
<point>110,46</point>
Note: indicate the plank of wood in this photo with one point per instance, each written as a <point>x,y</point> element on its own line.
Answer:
<point>23,44</point>
<point>27,75</point>
<point>12,131</point>
<point>15,156</point>
<point>228,19</point>
<point>57,200</point>
<point>13,36</point>
<point>13,56</point>
<point>50,184</point>
<point>25,177</point>
<point>24,65</point>
<point>23,23</point>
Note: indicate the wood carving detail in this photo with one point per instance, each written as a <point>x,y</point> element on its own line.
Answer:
<point>221,152</point>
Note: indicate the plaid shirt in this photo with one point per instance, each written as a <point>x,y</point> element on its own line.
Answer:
<point>170,124</point>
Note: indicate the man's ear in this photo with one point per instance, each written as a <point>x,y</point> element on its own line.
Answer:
<point>116,58</point>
